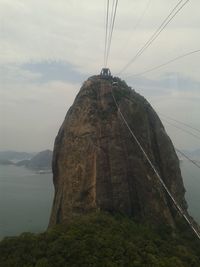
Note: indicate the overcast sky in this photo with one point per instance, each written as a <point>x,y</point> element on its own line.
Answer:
<point>48,48</point>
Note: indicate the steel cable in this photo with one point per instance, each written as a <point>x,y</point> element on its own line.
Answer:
<point>111,32</point>
<point>180,210</point>
<point>164,64</point>
<point>106,31</point>
<point>167,20</point>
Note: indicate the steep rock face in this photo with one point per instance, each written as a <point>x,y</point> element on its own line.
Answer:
<point>97,165</point>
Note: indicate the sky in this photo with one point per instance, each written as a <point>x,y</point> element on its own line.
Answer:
<point>48,48</point>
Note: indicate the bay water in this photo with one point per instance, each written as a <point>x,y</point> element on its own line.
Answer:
<point>191,179</point>
<point>26,198</point>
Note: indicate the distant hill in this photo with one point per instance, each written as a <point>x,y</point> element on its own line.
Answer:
<point>5,162</point>
<point>23,162</point>
<point>33,161</point>
<point>15,155</point>
<point>41,161</point>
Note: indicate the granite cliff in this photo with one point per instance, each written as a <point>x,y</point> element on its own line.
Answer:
<point>98,166</point>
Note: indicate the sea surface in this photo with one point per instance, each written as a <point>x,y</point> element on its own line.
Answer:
<point>26,198</point>
<point>191,178</point>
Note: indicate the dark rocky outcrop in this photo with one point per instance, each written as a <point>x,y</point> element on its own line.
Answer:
<point>98,166</point>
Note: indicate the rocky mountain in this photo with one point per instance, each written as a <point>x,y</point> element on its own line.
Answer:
<point>97,165</point>
<point>101,175</point>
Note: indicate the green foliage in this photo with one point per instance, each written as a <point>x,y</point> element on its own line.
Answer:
<point>100,239</point>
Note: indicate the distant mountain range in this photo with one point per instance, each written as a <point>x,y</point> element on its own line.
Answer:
<point>15,156</point>
<point>33,161</point>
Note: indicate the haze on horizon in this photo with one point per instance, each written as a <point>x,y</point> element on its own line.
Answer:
<point>51,47</point>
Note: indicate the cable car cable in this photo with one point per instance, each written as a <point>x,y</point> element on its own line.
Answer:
<point>164,64</point>
<point>111,32</point>
<point>156,34</point>
<point>188,158</point>
<point>181,129</point>
<point>178,207</point>
<point>140,18</point>
<point>106,31</point>
<point>180,122</point>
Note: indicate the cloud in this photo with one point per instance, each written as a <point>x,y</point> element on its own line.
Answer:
<point>31,121</point>
<point>14,74</point>
<point>73,32</point>
<point>168,84</point>
<point>49,47</point>
<point>54,71</point>
<point>34,99</point>
<point>48,30</point>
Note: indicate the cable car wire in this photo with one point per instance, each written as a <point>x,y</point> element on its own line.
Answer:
<point>111,30</point>
<point>164,64</point>
<point>180,122</point>
<point>188,158</point>
<point>110,26</point>
<point>156,34</point>
<point>183,130</point>
<point>106,31</point>
<point>140,18</point>
<point>142,15</point>
<point>167,20</point>
<point>178,207</point>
